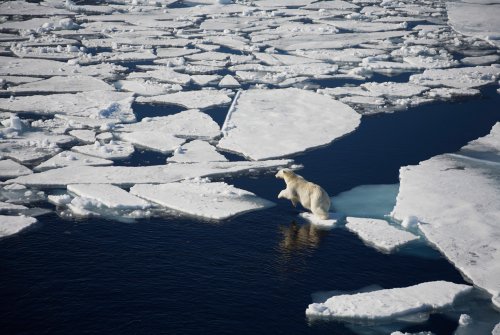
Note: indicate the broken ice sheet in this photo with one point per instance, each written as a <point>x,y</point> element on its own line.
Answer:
<point>113,150</point>
<point>152,140</point>
<point>11,169</point>
<point>215,201</point>
<point>464,77</point>
<point>108,195</point>
<point>69,84</point>
<point>272,123</point>
<point>386,304</point>
<point>196,151</point>
<point>379,233</point>
<point>10,225</point>
<point>73,159</point>
<point>192,99</point>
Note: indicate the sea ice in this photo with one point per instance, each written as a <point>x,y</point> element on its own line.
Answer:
<point>196,151</point>
<point>11,169</point>
<point>192,99</point>
<point>113,150</point>
<point>186,124</point>
<point>389,303</point>
<point>229,82</point>
<point>126,176</point>
<point>153,140</point>
<point>379,233</point>
<point>463,77</point>
<point>456,197</point>
<point>69,84</point>
<point>263,124</point>
<point>84,135</point>
<point>392,89</point>
<point>108,195</point>
<point>10,225</point>
<point>165,75</point>
<point>217,201</point>
<point>71,159</point>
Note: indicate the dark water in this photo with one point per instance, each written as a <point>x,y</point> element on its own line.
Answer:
<point>253,274</point>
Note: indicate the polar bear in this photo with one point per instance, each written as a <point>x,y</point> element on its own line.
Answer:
<point>310,195</point>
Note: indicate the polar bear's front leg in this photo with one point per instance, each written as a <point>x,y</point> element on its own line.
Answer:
<point>283,194</point>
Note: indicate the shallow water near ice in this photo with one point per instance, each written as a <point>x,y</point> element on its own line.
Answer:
<point>253,274</point>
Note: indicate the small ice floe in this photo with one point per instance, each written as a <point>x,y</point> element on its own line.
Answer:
<point>152,140</point>
<point>10,225</point>
<point>331,222</point>
<point>271,123</point>
<point>158,174</point>
<point>11,169</point>
<point>391,89</point>
<point>113,150</point>
<point>463,77</point>
<point>84,135</point>
<point>480,60</point>
<point>69,84</point>
<point>175,52</point>
<point>20,194</point>
<point>186,124</point>
<point>196,151</point>
<point>445,93</point>
<point>379,233</point>
<point>389,303</point>
<point>192,99</point>
<point>23,8</point>
<point>71,159</point>
<point>229,82</point>
<point>59,200</point>
<point>94,105</point>
<point>205,79</point>
<point>455,198</point>
<point>108,195</point>
<point>165,75</point>
<point>146,87</point>
<point>215,201</point>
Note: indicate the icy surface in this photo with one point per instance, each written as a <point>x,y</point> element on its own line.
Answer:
<point>11,169</point>
<point>153,140</point>
<point>10,225</point>
<point>196,151</point>
<point>465,77</point>
<point>273,123</point>
<point>389,303</point>
<point>456,197</point>
<point>379,233</point>
<point>69,84</point>
<point>123,176</point>
<point>112,150</point>
<point>192,99</point>
<point>108,195</point>
<point>73,159</point>
<point>215,201</point>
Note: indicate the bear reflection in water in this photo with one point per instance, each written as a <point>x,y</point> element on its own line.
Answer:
<point>300,237</point>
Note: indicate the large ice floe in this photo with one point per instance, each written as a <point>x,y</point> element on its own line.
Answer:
<point>383,305</point>
<point>455,198</point>
<point>263,124</point>
<point>200,198</point>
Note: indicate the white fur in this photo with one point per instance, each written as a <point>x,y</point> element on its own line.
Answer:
<point>309,195</point>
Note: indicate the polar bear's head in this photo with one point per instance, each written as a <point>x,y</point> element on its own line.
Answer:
<point>285,174</point>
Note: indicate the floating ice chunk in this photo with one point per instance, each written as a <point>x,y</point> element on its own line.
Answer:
<point>69,84</point>
<point>496,330</point>
<point>456,197</point>
<point>175,52</point>
<point>444,93</point>
<point>48,68</point>
<point>153,140</point>
<point>211,55</point>
<point>72,159</point>
<point>165,75</point>
<point>475,19</point>
<point>110,196</point>
<point>24,8</point>
<point>372,201</point>
<point>11,169</point>
<point>146,87</point>
<point>217,201</point>
<point>430,62</point>
<point>196,151</point>
<point>100,105</point>
<point>273,123</point>
<point>9,207</point>
<point>361,26</point>
<point>229,82</point>
<point>10,225</point>
<point>191,99</point>
<point>84,135</point>
<point>389,303</point>
<point>480,60</point>
<point>112,150</point>
<point>205,79</point>
<point>379,233</point>
<point>126,176</point>
<point>186,124</point>
<point>392,89</point>
<point>464,77</point>
<point>349,55</point>
<point>331,222</point>
<point>59,200</point>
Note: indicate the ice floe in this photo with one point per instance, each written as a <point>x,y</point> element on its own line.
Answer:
<point>215,201</point>
<point>110,196</point>
<point>464,77</point>
<point>379,233</point>
<point>196,151</point>
<point>69,84</point>
<point>11,169</point>
<point>152,140</point>
<point>10,225</point>
<point>192,99</point>
<point>389,303</point>
<point>112,150</point>
<point>73,159</point>
<point>455,197</point>
<point>264,124</point>
<point>126,176</point>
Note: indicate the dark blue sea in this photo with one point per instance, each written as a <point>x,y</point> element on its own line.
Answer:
<point>253,274</point>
